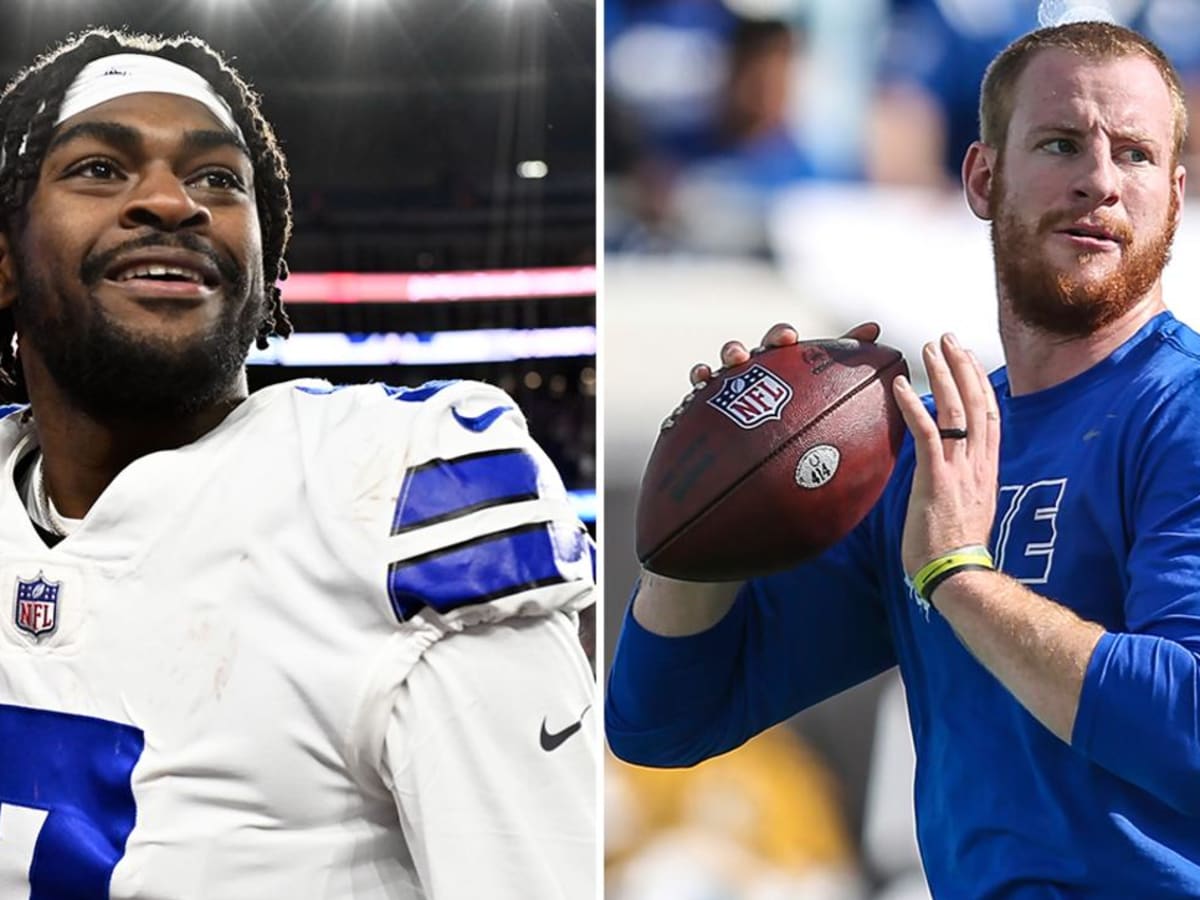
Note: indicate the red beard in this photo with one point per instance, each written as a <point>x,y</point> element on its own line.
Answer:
<point>1062,303</point>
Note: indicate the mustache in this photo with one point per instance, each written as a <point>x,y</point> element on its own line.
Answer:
<point>1054,221</point>
<point>96,264</point>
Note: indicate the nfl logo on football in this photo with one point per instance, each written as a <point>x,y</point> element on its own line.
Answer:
<point>37,605</point>
<point>753,397</point>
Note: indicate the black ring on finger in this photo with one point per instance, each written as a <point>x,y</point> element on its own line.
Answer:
<point>953,434</point>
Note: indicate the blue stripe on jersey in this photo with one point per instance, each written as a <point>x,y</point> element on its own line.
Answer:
<point>477,571</point>
<point>446,489</point>
<point>417,394</point>
<point>9,409</point>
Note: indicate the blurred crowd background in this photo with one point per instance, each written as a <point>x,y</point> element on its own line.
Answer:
<point>797,160</point>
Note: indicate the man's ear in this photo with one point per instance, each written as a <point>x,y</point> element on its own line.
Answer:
<point>978,177</point>
<point>8,273</point>
<point>1179,186</point>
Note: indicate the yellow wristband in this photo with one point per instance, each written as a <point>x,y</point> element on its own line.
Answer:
<point>942,567</point>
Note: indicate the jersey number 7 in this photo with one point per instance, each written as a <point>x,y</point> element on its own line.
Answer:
<point>66,802</point>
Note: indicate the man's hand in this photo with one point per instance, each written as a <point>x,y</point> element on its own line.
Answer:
<point>734,353</point>
<point>1035,647</point>
<point>953,498</point>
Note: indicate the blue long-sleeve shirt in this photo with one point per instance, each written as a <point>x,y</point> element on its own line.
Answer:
<point>1098,509</point>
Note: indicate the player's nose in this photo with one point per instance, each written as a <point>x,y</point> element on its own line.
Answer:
<point>160,200</point>
<point>1097,177</point>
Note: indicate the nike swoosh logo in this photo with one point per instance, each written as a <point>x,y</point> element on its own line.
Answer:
<point>553,741</point>
<point>481,422</point>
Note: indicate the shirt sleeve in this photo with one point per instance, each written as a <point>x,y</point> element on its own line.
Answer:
<point>481,528</point>
<point>790,641</point>
<point>491,754</point>
<point>1139,710</point>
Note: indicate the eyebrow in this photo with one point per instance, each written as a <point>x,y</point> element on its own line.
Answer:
<point>129,139</point>
<point>1070,131</point>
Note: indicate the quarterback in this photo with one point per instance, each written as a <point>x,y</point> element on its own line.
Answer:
<point>307,643</point>
<point>1040,592</point>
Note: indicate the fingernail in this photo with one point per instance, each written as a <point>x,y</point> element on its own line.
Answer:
<point>951,339</point>
<point>902,383</point>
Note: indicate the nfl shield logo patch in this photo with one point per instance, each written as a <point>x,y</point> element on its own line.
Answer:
<point>753,397</point>
<point>37,605</point>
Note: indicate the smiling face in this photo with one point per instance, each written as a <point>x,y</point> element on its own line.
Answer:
<point>136,270</point>
<point>1085,194</point>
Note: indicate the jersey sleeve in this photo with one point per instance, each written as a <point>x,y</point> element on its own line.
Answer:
<point>491,755</point>
<point>1139,710</point>
<point>789,641</point>
<point>481,528</point>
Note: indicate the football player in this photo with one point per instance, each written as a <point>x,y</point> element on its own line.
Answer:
<point>1040,596</point>
<point>306,643</point>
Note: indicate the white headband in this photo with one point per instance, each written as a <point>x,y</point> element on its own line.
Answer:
<point>115,76</point>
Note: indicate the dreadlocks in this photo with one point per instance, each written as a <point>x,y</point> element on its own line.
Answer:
<point>29,107</point>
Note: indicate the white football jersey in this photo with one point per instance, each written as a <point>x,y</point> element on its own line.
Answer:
<point>328,650</point>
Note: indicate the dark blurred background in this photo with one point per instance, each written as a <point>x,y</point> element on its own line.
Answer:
<point>424,138</point>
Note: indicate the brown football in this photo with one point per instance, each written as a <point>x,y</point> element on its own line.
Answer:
<point>772,462</point>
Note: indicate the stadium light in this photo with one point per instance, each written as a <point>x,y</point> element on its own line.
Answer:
<point>353,6</point>
<point>532,168</point>
<point>484,345</point>
<point>417,287</point>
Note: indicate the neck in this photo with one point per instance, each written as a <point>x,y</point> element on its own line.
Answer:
<point>1037,360</point>
<point>82,454</point>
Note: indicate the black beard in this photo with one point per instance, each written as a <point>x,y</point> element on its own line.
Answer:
<point>110,372</point>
